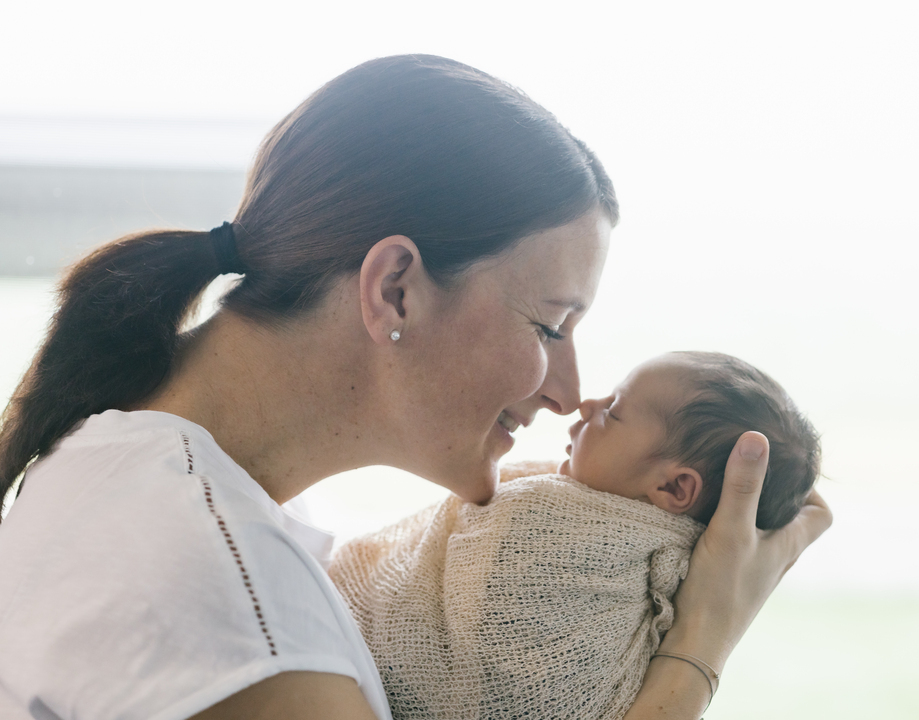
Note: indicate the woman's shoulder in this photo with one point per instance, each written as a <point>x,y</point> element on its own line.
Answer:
<point>124,496</point>
<point>163,573</point>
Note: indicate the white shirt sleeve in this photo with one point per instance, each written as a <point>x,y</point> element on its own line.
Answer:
<point>136,584</point>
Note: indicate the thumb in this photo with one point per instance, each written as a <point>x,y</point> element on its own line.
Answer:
<point>743,481</point>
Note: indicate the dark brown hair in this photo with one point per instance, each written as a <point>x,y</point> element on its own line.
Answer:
<point>417,145</point>
<point>729,398</point>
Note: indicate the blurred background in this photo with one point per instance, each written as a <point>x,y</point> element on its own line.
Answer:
<point>766,158</point>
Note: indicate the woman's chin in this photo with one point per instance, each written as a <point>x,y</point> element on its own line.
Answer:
<point>472,475</point>
<point>478,487</point>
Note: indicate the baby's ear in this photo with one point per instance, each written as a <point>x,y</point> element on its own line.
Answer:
<point>678,490</point>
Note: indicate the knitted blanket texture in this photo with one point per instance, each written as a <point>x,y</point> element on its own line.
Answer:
<point>546,603</point>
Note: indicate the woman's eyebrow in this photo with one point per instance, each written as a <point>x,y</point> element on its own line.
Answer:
<point>575,305</point>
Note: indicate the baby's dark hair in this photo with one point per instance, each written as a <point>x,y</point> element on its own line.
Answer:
<point>732,397</point>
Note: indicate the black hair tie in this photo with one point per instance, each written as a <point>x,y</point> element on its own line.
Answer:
<point>224,241</point>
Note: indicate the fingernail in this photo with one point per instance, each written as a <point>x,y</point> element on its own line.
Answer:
<point>751,448</point>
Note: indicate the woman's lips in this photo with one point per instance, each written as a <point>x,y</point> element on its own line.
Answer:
<point>507,422</point>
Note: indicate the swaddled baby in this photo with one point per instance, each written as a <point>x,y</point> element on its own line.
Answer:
<point>549,601</point>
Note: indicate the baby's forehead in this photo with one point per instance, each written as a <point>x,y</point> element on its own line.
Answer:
<point>670,370</point>
<point>663,385</point>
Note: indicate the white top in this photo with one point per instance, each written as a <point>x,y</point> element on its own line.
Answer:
<point>144,574</point>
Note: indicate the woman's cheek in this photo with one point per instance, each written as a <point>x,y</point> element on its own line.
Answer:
<point>530,371</point>
<point>518,364</point>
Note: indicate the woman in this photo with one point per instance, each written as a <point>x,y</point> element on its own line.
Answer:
<point>417,243</point>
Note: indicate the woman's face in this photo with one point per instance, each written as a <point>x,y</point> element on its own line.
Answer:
<point>500,350</point>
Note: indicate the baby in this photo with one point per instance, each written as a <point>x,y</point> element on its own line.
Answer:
<point>664,436</point>
<point>549,601</point>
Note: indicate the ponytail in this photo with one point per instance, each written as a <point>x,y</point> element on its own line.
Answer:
<point>111,341</point>
<point>417,145</point>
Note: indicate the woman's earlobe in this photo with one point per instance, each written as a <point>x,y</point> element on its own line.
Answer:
<point>389,268</point>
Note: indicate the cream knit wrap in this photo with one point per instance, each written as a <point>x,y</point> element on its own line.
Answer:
<point>546,603</point>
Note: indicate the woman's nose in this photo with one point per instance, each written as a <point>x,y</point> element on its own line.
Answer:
<point>561,390</point>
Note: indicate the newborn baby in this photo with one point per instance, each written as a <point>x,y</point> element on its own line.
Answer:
<point>549,601</point>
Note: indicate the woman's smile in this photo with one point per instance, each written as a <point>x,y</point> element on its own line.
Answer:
<point>508,423</point>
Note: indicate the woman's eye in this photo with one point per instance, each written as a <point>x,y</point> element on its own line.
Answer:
<point>548,333</point>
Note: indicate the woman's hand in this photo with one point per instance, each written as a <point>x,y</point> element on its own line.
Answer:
<point>735,567</point>
<point>733,570</point>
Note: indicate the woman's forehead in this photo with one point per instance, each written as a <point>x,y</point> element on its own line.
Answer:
<point>561,265</point>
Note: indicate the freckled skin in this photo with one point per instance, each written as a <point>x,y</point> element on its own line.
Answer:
<point>488,353</point>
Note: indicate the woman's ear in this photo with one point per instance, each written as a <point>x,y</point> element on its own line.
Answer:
<point>391,267</point>
<point>677,491</point>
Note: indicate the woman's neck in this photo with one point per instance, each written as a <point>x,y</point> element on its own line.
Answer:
<point>289,409</point>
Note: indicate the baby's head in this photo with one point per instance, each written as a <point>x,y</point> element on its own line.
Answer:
<point>665,434</point>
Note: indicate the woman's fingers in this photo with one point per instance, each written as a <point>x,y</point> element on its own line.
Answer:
<point>735,567</point>
<point>811,522</point>
<point>817,509</point>
<point>743,482</point>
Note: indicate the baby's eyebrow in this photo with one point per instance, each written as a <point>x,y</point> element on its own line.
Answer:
<point>575,305</point>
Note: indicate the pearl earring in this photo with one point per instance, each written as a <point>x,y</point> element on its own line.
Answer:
<point>395,335</point>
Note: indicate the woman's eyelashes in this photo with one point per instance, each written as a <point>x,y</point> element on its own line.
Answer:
<point>547,333</point>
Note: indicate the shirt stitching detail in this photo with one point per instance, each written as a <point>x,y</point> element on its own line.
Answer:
<point>228,538</point>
